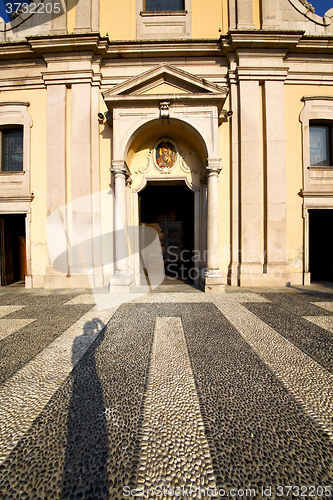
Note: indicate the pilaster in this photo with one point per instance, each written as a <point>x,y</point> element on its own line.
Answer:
<point>276,184</point>
<point>83,16</point>
<point>59,21</point>
<point>269,9</point>
<point>251,267</point>
<point>245,15</point>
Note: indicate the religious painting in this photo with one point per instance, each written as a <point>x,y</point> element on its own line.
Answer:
<point>166,155</point>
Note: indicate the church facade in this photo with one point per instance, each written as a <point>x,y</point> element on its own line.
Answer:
<point>208,123</point>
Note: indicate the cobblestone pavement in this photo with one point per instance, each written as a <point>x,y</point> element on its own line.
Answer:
<point>184,395</point>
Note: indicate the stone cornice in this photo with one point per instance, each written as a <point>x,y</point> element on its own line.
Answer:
<point>289,41</point>
<point>19,50</point>
<point>263,39</point>
<point>69,43</point>
<point>316,44</point>
<point>153,100</point>
<point>15,103</point>
<point>71,76</point>
<point>266,73</point>
<point>317,98</point>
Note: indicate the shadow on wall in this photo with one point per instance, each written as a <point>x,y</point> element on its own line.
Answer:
<point>85,470</point>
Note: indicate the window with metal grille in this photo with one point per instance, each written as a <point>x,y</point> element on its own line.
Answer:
<point>320,144</point>
<point>164,5</point>
<point>12,149</point>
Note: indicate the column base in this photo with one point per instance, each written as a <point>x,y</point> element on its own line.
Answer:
<point>121,283</point>
<point>306,279</point>
<point>233,274</point>
<point>212,282</point>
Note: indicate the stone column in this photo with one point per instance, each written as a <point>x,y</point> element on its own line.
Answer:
<point>232,14</point>
<point>276,184</point>
<point>203,233</point>
<point>251,268</point>
<point>245,15</point>
<point>122,278</point>
<point>213,280</point>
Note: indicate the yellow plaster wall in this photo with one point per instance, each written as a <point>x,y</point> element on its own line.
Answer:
<point>207,18</point>
<point>71,15</point>
<point>118,19</point>
<point>165,88</point>
<point>293,107</point>
<point>37,111</point>
<point>256,14</point>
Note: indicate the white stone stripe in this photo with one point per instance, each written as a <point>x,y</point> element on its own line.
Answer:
<point>174,448</point>
<point>4,310</point>
<point>325,322</point>
<point>309,382</point>
<point>24,395</point>
<point>325,305</point>
<point>9,326</point>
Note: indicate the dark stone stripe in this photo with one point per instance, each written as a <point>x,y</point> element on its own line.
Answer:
<point>257,432</point>
<point>284,315</point>
<point>86,442</point>
<point>52,318</point>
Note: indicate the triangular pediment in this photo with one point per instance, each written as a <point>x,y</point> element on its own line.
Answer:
<point>164,80</point>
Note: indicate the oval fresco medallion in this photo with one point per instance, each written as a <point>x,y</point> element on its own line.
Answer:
<point>165,155</point>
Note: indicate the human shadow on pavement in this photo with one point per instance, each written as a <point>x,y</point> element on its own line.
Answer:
<point>85,468</point>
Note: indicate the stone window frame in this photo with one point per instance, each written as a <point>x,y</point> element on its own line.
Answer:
<point>163,19</point>
<point>15,114</point>
<point>316,108</point>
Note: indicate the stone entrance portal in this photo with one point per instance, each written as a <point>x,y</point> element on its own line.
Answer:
<point>169,209</point>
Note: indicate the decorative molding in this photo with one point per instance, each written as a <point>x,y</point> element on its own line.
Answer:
<point>306,9</point>
<point>144,169</point>
<point>164,72</point>
<point>213,166</point>
<point>164,109</point>
<point>119,167</point>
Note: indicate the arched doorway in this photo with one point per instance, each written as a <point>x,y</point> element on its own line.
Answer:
<point>169,208</point>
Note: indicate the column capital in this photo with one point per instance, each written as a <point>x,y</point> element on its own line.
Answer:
<point>120,168</point>
<point>213,167</point>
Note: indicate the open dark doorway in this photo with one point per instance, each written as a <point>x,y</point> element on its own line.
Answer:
<point>12,248</point>
<point>170,210</point>
<point>321,245</point>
